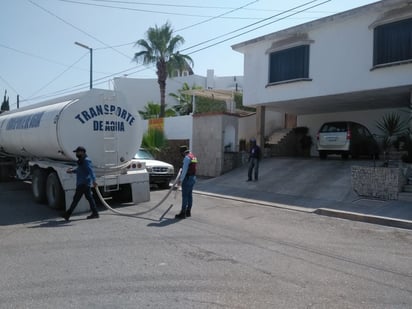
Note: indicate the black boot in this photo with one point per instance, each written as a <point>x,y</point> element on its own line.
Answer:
<point>66,216</point>
<point>181,215</point>
<point>94,215</point>
<point>188,213</point>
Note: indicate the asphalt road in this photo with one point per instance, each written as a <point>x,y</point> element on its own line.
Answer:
<point>230,254</point>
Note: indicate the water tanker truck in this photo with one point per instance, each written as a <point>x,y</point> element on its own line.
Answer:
<point>40,139</point>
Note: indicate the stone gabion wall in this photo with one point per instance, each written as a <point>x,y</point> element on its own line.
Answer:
<point>232,160</point>
<point>377,182</point>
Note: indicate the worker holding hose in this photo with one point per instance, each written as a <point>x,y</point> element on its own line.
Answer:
<point>85,179</point>
<point>187,180</point>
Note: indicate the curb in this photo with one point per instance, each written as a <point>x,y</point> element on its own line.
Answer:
<point>386,221</point>
<point>399,223</point>
<point>257,202</point>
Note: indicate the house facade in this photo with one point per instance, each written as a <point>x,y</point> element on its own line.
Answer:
<point>355,65</point>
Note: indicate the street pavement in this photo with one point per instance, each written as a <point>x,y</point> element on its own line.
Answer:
<point>229,254</point>
<point>311,185</point>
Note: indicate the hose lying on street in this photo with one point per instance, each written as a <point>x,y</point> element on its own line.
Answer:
<point>136,214</point>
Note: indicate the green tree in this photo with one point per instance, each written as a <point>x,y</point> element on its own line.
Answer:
<point>154,141</point>
<point>161,48</point>
<point>152,110</point>
<point>5,106</point>
<point>185,106</point>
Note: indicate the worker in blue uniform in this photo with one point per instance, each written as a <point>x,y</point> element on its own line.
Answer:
<point>187,180</point>
<point>85,179</point>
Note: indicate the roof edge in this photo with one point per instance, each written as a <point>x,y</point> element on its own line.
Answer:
<point>315,23</point>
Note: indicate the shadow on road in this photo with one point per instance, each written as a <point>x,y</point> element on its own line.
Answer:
<point>163,223</point>
<point>54,223</point>
<point>17,205</point>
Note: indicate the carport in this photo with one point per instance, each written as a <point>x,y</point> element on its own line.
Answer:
<point>362,106</point>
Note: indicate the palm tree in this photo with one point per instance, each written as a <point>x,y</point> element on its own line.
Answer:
<point>161,48</point>
<point>152,110</point>
<point>185,106</point>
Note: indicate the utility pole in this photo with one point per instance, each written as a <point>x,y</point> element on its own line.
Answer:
<point>91,61</point>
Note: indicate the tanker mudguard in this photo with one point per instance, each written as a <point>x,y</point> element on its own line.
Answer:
<point>100,120</point>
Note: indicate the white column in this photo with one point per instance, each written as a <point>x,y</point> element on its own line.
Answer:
<point>260,125</point>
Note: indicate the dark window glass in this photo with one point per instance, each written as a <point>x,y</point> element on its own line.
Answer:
<point>393,42</point>
<point>287,64</point>
<point>334,127</point>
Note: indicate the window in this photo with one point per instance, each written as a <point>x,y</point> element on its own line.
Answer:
<point>334,127</point>
<point>393,42</point>
<point>289,64</point>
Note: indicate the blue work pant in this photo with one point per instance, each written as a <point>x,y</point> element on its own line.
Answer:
<point>253,164</point>
<point>187,192</point>
<point>87,191</point>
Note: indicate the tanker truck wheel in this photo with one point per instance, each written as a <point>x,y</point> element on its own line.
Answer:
<point>54,191</point>
<point>38,185</point>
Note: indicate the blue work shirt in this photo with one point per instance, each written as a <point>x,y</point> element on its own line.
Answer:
<point>185,167</point>
<point>84,172</point>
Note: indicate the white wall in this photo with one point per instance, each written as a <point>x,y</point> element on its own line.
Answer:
<point>180,127</point>
<point>247,127</point>
<point>273,121</point>
<point>139,91</point>
<point>341,59</point>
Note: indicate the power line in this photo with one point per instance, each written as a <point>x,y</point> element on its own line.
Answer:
<point>255,23</point>
<point>192,6</point>
<point>235,36</point>
<point>220,36</point>
<point>85,85</point>
<point>78,29</point>
<point>106,78</point>
<point>55,78</point>
<point>8,84</point>
<point>165,4</point>
<point>45,59</point>
<point>202,22</point>
<point>218,16</point>
<point>150,11</point>
<point>81,85</point>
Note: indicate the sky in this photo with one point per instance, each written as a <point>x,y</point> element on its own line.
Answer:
<point>39,60</point>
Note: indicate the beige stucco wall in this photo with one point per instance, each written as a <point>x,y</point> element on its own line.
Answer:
<point>208,141</point>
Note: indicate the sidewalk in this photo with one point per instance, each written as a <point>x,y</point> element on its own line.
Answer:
<point>311,185</point>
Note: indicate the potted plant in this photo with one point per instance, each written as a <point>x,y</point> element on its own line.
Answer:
<point>392,127</point>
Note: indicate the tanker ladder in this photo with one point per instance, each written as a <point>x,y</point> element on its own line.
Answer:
<point>174,188</point>
<point>110,145</point>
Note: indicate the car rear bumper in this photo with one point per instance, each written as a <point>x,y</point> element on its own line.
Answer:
<point>334,148</point>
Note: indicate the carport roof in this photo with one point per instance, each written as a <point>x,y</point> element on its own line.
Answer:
<point>211,94</point>
<point>362,100</point>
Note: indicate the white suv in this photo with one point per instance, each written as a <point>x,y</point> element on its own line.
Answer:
<point>346,138</point>
<point>160,173</point>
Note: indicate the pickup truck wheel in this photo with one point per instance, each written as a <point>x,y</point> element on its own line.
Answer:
<point>54,192</point>
<point>38,185</point>
<point>164,185</point>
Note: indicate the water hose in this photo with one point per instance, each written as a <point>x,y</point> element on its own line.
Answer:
<point>136,214</point>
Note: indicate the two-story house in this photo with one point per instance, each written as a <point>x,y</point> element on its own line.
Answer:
<point>355,65</point>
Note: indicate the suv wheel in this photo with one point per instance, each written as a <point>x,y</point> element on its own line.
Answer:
<point>323,154</point>
<point>345,155</point>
